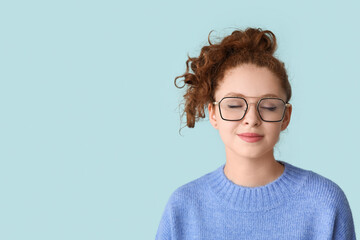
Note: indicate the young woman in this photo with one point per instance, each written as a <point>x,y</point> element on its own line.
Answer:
<point>253,195</point>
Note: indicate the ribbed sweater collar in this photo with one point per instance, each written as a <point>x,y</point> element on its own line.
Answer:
<point>260,198</point>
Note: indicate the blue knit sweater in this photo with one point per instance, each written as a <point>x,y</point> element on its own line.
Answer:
<point>300,204</point>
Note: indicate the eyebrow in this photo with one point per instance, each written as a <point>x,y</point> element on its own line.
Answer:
<point>233,94</point>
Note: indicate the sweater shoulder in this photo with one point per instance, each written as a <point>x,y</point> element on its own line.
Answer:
<point>325,190</point>
<point>330,198</point>
<point>190,192</point>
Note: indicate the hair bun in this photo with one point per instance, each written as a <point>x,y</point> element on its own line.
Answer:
<point>252,39</point>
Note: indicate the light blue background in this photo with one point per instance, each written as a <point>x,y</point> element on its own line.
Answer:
<point>89,141</point>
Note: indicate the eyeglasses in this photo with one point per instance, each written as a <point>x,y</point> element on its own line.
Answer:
<point>270,109</point>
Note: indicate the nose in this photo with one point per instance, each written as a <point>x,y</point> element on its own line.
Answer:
<point>252,116</point>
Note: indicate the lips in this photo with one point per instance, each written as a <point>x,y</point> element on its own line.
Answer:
<point>250,137</point>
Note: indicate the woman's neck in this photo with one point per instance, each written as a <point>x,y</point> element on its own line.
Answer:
<point>253,172</point>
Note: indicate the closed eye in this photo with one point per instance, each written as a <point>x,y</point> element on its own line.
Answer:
<point>270,108</point>
<point>235,106</point>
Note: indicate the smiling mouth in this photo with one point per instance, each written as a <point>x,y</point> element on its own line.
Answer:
<point>251,138</point>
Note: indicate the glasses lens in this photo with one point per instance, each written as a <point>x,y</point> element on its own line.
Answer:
<point>271,109</point>
<point>232,108</point>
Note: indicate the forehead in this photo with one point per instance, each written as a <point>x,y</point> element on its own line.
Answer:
<point>249,80</point>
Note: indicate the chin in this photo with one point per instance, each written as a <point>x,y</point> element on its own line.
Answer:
<point>253,153</point>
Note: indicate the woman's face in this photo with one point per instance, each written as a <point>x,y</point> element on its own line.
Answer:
<point>246,81</point>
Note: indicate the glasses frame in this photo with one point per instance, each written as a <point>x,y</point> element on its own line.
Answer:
<point>257,107</point>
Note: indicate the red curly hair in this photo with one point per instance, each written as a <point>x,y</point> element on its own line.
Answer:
<point>253,46</point>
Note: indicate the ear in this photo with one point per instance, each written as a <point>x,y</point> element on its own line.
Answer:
<point>212,115</point>
<point>286,119</point>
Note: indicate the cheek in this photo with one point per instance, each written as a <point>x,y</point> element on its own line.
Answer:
<point>227,129</point>
<point>274,132</point>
